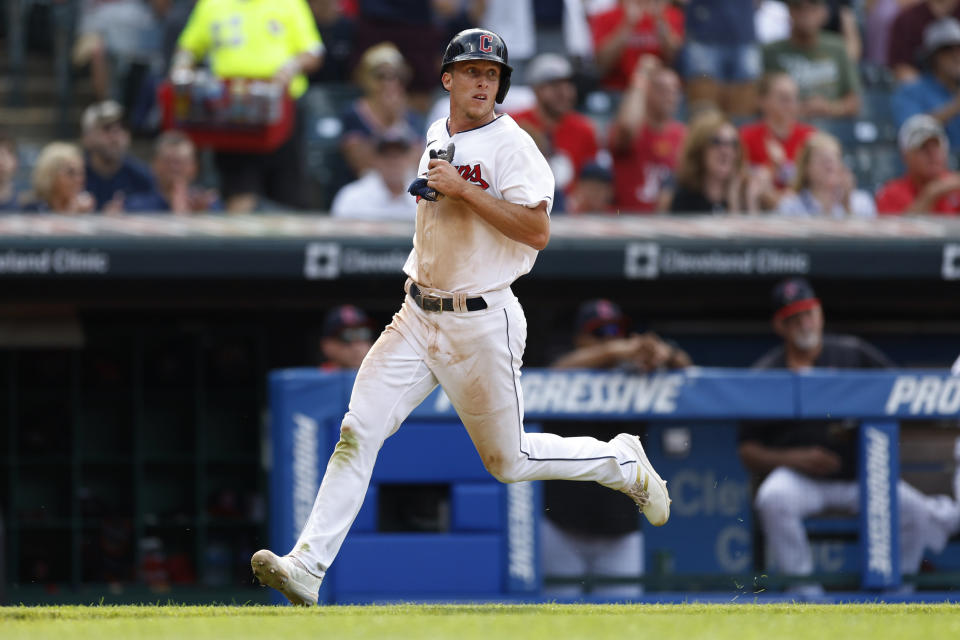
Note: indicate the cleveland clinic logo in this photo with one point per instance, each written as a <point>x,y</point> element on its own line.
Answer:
<point>951,262</point>
<point>321,261</point>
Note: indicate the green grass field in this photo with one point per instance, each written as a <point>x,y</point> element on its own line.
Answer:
<point>488,622</point>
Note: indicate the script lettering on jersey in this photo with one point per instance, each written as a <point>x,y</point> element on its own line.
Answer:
<point>472,173</point>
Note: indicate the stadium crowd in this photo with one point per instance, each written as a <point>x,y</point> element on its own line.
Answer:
<point>641,106</point>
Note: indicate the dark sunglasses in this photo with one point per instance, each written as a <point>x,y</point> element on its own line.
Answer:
<point>721,141</point>
<point>355,334</point>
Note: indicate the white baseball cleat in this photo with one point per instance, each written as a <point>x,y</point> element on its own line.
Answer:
<point>650,490</point>
<point>286,576</point>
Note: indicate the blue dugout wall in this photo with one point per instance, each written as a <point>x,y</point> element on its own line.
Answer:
<point>490,549</point>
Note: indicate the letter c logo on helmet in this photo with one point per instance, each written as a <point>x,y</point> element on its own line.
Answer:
<point>480,44</point>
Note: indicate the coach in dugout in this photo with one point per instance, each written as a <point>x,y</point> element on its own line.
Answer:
<point>589,531</point>
<point>274,39</point>
<point>808,467</point>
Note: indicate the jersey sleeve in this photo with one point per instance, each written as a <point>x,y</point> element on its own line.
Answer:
<point>524,176</point>
<point>195,37</point>
<point>305,38</point>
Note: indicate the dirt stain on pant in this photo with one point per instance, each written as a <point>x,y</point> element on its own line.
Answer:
<point>346,447</point>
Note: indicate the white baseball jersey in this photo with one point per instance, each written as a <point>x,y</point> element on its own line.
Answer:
<point>454,249</point>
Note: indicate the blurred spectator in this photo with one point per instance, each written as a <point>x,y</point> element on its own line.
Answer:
<point>712,176</point>
<point>514,21</point>
<point>634,28</point>
<point>826,77</point>
<point>114,36</point>
<point>382,110</point>
<point>58,181</point>
<point>646,138</point>
<point>111,172</point>
<point>773,141</point>
<point>10,195</point>
<point>937,91</point>
<point>174,172</point>
<point>906,34</point>
<point>410,26</point>
<point>588,531</point>
<point>381,192</point>
<point>566,138</point>
<point>275,40</point>
<point>347,337</point>
<point>929,186</point>
<point>842,20</point>
<point>810,466</point>
<point>337,32</point>
<point>824,186</point>
<point>721,58</point>
<point>880,15</point>
<point>593,191</point>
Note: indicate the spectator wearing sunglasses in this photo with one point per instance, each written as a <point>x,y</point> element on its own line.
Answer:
<point>347,336</point>
<point>713,176</point>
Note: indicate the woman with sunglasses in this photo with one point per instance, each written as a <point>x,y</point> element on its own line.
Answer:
<point>712,176</point>
<point>58,181</point>
<point>382,110</point>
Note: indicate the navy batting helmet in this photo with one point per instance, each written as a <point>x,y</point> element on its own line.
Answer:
<point>480,44</point>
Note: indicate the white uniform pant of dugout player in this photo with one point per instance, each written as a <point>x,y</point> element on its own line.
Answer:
<point>475,356</point>
<point>786,497</point>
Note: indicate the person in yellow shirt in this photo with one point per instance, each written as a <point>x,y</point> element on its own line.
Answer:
<point>275,39</point>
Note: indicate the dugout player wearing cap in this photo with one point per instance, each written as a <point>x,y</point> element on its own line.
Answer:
<point>484,197</point>
<point>588,531</point>
<point>811,466</point>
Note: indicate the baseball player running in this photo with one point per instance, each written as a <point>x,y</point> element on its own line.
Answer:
<point>484,197</point>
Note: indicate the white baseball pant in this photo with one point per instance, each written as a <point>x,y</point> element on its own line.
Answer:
<point>475,356</point>
<point>574,555</point>
<point>786,497</point>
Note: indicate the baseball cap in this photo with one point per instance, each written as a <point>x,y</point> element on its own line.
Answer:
<point>348,323</point>
<point>393,138</point>
<point>596,171</point>
<point>944,32</point>
<point>548,67</point>
<point>601,318</point>
<point>791,296</point>
<point>101,113</point>
<point>918,129</point>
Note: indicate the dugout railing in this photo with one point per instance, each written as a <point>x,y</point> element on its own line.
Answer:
<point>488,547</point>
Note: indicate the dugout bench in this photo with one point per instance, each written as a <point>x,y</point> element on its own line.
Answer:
<point>487,545</point>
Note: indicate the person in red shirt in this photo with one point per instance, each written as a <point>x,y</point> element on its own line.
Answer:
<point>634,28</point>
<point>646,139</point>
<point>566,138</point>
<point>928,186</point>
<point>774,140</point>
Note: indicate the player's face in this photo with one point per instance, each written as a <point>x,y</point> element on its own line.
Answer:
<point>473,88</point>
<point>804,330</point>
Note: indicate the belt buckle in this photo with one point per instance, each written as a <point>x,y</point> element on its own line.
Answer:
<point>431,303</point>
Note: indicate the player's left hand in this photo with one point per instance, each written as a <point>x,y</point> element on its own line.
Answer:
<point>444,178</point>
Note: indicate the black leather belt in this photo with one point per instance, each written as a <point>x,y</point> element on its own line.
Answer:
<point>436,303</point>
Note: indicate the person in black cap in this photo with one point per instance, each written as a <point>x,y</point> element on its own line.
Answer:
<point>347,337</point>
<point>798,319</point>
<point>810,466</point>
<point>588,531</point>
